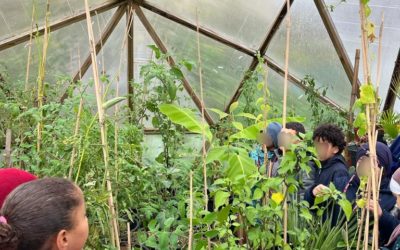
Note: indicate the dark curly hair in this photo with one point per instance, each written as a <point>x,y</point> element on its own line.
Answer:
<point>36,211</point>
<point>332,134</point>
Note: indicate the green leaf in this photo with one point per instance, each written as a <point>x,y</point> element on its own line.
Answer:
<point>221,198</point>
<point>211,234</point>
<point>367,11</point>
<point>152,242</point>
<point>163,240</point>
<point>188,64</point>
<point>240,165</point>
<point>110,103</point>
<point>247,115</point>
<point>152,225</point>
<point>223,214</point>
<point>233,107</point>
<point>210,218</point>
<point>238,125</point>
<point>258,194</point>
<point>216,154</point>
<point>249,133</point>
<point>346,206</point>
<point>186,118</point>
<point>176,72</point>
<point>367,94</point>
<point>220,113</point>
<point>156,50</point>
<point>361,124</point>
<point>168,222</point>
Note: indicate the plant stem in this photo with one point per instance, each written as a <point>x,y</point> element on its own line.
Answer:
<point>191,211</point>
<point>40,81</point>
<point>204,149</point>
<point>103,129</point>
<point>285,88</point>
<point>28,63</point>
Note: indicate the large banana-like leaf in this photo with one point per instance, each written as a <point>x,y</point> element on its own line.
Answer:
<point>186,118</point>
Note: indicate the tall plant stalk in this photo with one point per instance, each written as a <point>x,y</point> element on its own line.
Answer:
<point>41,75</point>
<point>77,126</point>
<point>190,211</point>
<point>103,130</point>
<point>372,110</point>
<point>28,63</point>
<point>203,129</point>
<point>285,88</point>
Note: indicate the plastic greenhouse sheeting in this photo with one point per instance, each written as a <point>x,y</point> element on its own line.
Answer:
<point>312,52</point>
<point>16,15</point>
<point>347,21</point>
<point>245,23</point>
<point>64,51</point>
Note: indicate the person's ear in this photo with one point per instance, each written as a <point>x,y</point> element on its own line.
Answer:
<point>62,240</point>
<point>335,150</point>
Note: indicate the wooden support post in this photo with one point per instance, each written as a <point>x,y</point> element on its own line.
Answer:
<point>130,50</point>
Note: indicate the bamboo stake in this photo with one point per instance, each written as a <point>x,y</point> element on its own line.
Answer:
<point>285,88</point>
<point>128,226</point>
<point>366,229</point>
<point>202,117</point>
<point>40,81</point>
<point>28,63</point>
<point>360,226</point>
<point>103,129</point>
<point>191,212</point>
<point>371,114</point>
<point>204,148</point>
<point>77,126</point>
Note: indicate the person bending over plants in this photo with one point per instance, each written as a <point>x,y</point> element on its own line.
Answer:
<point>268,139</point>
<point>329,142</point>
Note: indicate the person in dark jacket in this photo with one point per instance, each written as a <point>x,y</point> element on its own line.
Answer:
<point>330,142</point>
<point>387,202</point>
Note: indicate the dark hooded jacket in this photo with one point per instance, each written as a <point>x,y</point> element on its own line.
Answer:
<point>387,222</point>
<point>333,171</point>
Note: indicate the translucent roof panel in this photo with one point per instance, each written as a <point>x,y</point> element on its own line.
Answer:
<point>312,52</point>
<point>114,55</point>
<point>112,61</point>
<point>16,15</point>
<point>347,21</point>
<point>64,52</point>
<point>222,66</point>
<point>244,22</point>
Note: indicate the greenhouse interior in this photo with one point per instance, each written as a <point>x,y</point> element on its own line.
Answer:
<point>199,124</point>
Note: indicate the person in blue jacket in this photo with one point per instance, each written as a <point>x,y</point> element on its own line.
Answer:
<point>387,202</point>
<point>329,142</point>
<point>268,139</point>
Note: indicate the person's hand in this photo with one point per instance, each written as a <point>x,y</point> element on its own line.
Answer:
<point>371,208</point>
<point>319,190</point>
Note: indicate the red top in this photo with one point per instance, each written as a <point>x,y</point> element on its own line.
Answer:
<point>10,178</point>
